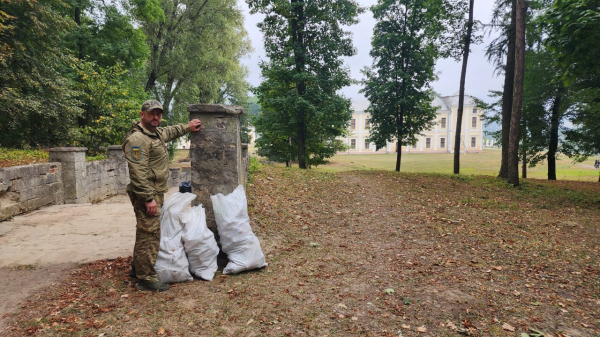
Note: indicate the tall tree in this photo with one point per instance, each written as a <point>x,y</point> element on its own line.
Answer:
<point>305,43</point>
<point>38,105</point>
<point>104,34</point>
<point>197,40</point>
<point>573,30</point>
<point>461,94</point>
<point>515,120</point>
<point>500,49</point>
<point>408,38</point>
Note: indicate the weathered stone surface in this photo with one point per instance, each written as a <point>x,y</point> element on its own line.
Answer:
<point>22,184</point>
<point>216,153</point>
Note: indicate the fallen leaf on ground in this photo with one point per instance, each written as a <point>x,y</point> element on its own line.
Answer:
<point>161,331</point>
<point>508,327</point>
<point>422,329</point>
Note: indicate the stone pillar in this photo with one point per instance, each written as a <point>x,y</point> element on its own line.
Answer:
<point>115,152</point>
<point>216,153</point>
<point>73,172</point>
<point>245,163</point>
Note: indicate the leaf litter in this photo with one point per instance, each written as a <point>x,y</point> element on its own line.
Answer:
<point>367,253</point>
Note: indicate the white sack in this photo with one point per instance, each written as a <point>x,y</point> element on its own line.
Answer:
<point>237,239</point>
<point>199,243</point>
<point>172,264</point>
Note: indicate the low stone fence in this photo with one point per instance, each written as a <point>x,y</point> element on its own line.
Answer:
<point>27,187</point>
<point>68,179</point>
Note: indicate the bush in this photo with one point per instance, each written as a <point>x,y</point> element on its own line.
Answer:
<point>254,167</point>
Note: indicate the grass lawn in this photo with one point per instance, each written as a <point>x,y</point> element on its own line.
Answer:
<point>484,163</point>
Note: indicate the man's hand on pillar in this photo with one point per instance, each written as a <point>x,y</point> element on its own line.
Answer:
<point>195,125</point>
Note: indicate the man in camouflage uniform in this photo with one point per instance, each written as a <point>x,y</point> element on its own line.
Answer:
<point>148,160</point>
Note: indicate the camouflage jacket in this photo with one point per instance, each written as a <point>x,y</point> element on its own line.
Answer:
<point>148,158</point>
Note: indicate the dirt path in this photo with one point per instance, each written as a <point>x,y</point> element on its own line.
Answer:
<point>40,248</point>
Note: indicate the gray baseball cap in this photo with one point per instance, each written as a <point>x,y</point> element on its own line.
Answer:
<point>152,104</point>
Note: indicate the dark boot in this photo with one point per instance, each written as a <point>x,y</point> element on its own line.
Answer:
<point>152,286</point>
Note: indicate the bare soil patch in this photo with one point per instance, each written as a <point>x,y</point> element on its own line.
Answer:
<point>371,254</point>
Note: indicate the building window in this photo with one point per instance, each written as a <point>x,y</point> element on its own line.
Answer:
<point>443,123</point>
<point>352,144</point>
<point>366,145</point>
<point>428,143</point>
<point>367,123</point>
<point>474,122</point>
<point>474,110</point>
<point>473,141</point>
<point>414,146</point>
<point>443,143</point>
<point>353,124</point>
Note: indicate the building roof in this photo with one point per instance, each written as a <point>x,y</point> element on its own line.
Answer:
<point>444,102</point>
<point>439,101</point>
<point>452,100</point>
<point>360,105</point>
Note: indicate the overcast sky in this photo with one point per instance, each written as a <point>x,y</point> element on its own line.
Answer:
<point>480,73</point>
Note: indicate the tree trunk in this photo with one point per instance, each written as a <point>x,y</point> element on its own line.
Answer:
<point>554,123</point>
<point>168,97</point>
<point>507,94</point>
<point>297,26</point>
<point>524,166</point>
<point>151,81</point>
<point>80,37</point>
<point>400,125</point>
<point>515,120</point>
<point>461,95</point>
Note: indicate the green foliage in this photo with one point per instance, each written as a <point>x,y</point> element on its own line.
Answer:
<point>110,100</point>
<point>146,10</point>
<point>573,28</point>
<point>252,108</point>
<point>116,41</point>
<point>302,113</point>
<point>38,106</point>
<point>408,38</point>
<point>195,54</point>
<point>583,139</point>
<point>101,156</point>
<point>10,157</point>
<point>274,142</point>
<point>71,70</point>
<point>104,35</point>
<point>253,168</point>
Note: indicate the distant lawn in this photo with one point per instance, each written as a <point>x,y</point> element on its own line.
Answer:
<point>484,163</point>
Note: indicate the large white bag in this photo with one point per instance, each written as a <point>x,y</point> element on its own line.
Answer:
<point>237,239</point>
<point>199,243</point>
<point>172,264</point>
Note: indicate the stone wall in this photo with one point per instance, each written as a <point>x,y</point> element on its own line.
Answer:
<point>68,179</point>
<point>28,187</point>
<point>177,175</point>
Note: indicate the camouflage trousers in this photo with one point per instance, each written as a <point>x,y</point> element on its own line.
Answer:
<point>147,238</point>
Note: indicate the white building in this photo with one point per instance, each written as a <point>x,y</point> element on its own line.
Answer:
<point>439,139</point>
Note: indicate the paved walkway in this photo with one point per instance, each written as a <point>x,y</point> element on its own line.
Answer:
<point>39,248</point>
